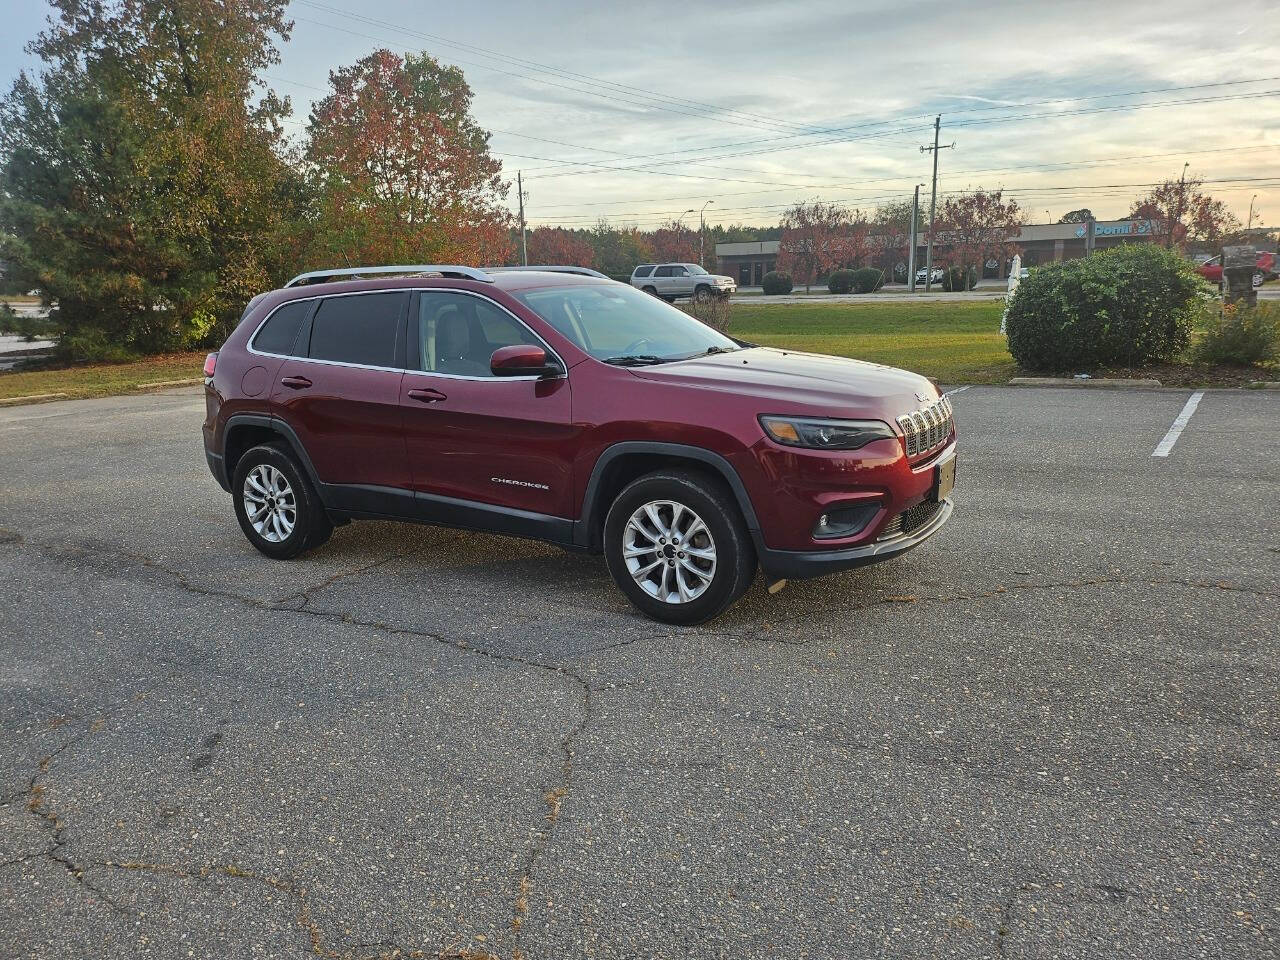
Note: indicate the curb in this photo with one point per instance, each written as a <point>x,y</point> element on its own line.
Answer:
<point>1263,385</point>
<point>1100,384</point>
<point>31,398</point>
<point>165,384</point>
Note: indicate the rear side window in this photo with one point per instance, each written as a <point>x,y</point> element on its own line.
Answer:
<point>644,270</point>
<point>358,329</point>
<point>281,329</point>
<point>665,272</point>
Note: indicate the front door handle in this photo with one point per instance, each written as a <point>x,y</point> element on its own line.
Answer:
<point>427,396</point>
<point>296,383</point>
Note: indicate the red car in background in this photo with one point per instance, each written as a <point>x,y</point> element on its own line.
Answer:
<point>1211,269</point>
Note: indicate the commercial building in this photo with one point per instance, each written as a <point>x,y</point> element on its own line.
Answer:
<point>1038,242</point>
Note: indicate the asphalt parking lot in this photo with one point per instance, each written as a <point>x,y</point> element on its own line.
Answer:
<point>1053,731</point>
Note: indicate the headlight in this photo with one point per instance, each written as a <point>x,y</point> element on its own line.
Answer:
<point>825,434</point>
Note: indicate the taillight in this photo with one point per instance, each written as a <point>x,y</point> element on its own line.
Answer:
<point>209,362</point>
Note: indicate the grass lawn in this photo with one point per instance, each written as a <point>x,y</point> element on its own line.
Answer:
<point>951,342</point>
<point>103,379</point>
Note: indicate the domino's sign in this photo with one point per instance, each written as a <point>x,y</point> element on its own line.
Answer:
<point>1127,228</point>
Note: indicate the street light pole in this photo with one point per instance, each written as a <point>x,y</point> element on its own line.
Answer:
<point>702,236</point>
<point>1182,202</point>
<point>911,257</point>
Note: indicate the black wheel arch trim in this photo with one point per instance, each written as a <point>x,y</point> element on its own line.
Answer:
<point>286,432</point>
<point>583,532</point>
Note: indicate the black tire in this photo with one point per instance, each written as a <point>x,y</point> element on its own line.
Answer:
<point>703,294</point>
<point>311,526</point>
<point>651,291</point>
<point>710,500</point>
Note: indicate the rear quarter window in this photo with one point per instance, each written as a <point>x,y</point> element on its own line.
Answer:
<point>644,271</point>
<point>358,329</point>
<point>280,332</point>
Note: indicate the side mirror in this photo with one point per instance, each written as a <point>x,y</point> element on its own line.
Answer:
<point>522,360</point>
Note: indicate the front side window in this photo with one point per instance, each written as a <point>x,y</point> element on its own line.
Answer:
<point>615,322</point>
<point>360,329</point>
<point>281,329</point>
<point>679,272</point>
<point>458,333</point>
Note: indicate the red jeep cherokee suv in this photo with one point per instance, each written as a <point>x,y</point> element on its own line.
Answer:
<point>575,410</point>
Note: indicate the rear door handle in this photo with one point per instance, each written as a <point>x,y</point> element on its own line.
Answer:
<point>296,383</point>
<point>427,396</point>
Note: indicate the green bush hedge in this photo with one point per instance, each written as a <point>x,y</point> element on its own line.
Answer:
<point>1240,335</point>
<point>840,281</point>
<point>954,279</point>
<point>775,281</point>
<point>868,280</point>
<point>1128,305</point>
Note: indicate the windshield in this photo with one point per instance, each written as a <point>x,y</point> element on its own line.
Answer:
<point>696,270</point>
<point>616,322</point>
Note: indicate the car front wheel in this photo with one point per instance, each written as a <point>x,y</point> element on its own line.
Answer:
<point>677,546</point>
<point>702,294</point>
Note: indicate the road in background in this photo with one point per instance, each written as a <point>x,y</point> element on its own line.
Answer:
<point>1052,730</point>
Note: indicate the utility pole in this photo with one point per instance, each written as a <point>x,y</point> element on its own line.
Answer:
<point>933,199</point>
<point>911,257</point>
<point>524,249</point>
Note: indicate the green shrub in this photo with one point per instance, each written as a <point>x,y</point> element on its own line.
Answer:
<point>1239,335</point>
<point>840,281</point>
<point>868,280</point>
<point>1128,305</point>
<point>775,282</point>
<point>959,279</point>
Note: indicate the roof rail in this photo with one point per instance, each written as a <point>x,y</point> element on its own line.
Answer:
<point>563,268</point>
<point>444,270</point>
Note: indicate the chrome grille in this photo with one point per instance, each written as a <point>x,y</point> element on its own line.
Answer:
<point>928,429</point>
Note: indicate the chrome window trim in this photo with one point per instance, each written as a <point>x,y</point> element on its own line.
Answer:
<point>429,373</point>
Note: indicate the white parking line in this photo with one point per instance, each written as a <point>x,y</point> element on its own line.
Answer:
<point>1175,431</point>
<point>952,393</point>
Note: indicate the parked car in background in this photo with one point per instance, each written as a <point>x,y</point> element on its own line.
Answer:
<point>574,410</point>
<point>1211,269</point>
<point>671,280</point>
<point>922,275</point>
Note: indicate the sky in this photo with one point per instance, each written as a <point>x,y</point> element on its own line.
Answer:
<point>757,106</point>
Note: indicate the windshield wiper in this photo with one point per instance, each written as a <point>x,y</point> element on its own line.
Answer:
<point>711,351</point>
<point>635,360</point>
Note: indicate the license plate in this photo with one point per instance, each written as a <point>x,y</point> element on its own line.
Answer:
<point>945,480</point>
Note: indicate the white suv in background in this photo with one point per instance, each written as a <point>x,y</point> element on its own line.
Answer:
<point>672,280</point>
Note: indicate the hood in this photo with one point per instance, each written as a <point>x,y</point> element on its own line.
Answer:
<point>786,381</point>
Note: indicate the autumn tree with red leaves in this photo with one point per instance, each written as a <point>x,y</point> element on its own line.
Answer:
<point>556,245</point>
<point>673,242</point>
<point>980,226</point>
<point>1180,211</point>
<point>817,238</point>
<point>404,172</point>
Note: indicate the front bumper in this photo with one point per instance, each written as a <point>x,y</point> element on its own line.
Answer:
<point>802,564</point>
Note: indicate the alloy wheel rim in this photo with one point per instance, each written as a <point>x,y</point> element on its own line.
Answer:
<point>669,551</point>
<point>269,503</point>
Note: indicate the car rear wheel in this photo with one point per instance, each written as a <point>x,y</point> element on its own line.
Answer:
<point>276,506</point>
<point>677,546</point>
<point>652,291</point>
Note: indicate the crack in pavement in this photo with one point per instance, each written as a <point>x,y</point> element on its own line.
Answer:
<point>759,636</point>
<point>554,797</point>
